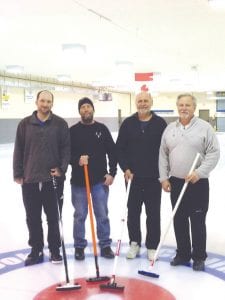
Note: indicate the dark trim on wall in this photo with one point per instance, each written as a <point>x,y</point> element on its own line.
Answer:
<point>8,127</point>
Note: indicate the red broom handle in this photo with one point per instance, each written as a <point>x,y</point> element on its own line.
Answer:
<point>89,199</point>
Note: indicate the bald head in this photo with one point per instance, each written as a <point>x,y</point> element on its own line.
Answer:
<point>144,95</point>
<point>144,103</point>
<point>44,104</point>
<point>44,93</point>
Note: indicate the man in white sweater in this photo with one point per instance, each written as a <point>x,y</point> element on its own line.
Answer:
<point>180,143</point>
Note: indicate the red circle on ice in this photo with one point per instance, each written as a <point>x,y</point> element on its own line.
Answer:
<point>133,289</point>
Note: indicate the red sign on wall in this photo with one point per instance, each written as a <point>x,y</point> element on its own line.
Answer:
<point>143,76</point>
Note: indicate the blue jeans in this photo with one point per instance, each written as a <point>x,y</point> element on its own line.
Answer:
<point>99,194</point>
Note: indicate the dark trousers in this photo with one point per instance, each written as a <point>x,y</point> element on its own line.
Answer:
<point>147,191</point>
<point>34,200</point>
<point>191,214</point>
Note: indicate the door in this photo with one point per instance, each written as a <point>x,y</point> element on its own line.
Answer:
<point>204,114</point>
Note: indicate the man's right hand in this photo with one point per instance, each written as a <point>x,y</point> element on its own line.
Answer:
<point>128,175</point>
<point>18,180</point>
<point>166,185</point>
<point>83,160</point>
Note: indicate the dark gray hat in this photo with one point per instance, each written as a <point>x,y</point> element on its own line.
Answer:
<point>85,100</point>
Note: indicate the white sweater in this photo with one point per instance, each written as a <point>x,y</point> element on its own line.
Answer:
<point>179,147</point>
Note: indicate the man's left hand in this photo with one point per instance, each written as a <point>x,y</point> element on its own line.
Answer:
<point>193,177</point>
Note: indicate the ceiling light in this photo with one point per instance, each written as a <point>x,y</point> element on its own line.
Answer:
<point>63,77</point>
<point>15,69</point>
<point>123,68</point>
<point>124,64</point>
<point>76,49</point>
<point>217,3</point>
<point>175,79</point>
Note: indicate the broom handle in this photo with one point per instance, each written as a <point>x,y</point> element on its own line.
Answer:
<point>55,187</point>
<point>176,207</point>
<point>88,190</point>
<point>122,229</point>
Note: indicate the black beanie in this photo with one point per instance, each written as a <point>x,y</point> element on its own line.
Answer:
<point>83,101</point>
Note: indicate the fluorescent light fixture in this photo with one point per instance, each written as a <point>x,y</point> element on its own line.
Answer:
<point>217,3</point>
<point>63,77</point>
<point>123,67</point>
<point>124,64</point>
<point>15,69</point>
<point>76,49</point>
<point>174,79</point>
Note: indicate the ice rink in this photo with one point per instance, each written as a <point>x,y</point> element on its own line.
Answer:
<point>24,283</point>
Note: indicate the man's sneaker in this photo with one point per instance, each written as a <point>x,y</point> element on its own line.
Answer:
<point>151,254</point>
<point>55,257</point>
<point>107,252</point>
<point>79,254</point>
<point>35,257</point>
<point>177,261</point>
<point>133,251</point>
<point>198,265</point>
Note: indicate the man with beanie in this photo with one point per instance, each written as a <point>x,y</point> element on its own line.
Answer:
<point>91,144</point>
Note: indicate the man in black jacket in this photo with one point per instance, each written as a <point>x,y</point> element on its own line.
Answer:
<point>138,151</point>
<point>91,144</point>
<point>42,150</point>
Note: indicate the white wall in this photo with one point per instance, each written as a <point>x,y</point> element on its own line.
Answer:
<point>65,104</point>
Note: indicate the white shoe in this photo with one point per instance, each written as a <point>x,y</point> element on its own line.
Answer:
<point>151,254</point>
<point>134,250</point>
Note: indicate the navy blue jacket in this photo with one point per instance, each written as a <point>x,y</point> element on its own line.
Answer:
<point>138,148</point>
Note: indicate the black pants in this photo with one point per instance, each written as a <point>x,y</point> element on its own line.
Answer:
<point>191,213</point>
<point>34,199</point>
<point>147,191</point>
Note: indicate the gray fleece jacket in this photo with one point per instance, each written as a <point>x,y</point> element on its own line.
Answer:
<point>39,147</point>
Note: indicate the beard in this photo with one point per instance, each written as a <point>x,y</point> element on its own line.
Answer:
<point>143,111</point>
<point>88,119</point>
<point>44,110</point>
<point>185,115</point>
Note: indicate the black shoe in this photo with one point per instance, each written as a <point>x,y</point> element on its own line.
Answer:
<point>107,252</point>
<point>177,261</point>
<point>79,254</point>
<point>35,257</point>
<point>198,265</point>
<point>55,257</point>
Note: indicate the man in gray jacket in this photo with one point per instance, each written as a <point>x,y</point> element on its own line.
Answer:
<point>180,143</point>
<point>42,150</point>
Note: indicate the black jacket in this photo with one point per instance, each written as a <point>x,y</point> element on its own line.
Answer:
<point>137,148</point>
<point>96,141</point>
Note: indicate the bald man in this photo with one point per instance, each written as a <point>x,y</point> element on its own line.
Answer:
<point>42,150</point>
<point>138,145</point>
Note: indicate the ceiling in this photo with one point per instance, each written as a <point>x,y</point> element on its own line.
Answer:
<point>181,41</point>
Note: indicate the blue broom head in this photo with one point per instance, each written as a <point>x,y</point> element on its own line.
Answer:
<point>149,274</point>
